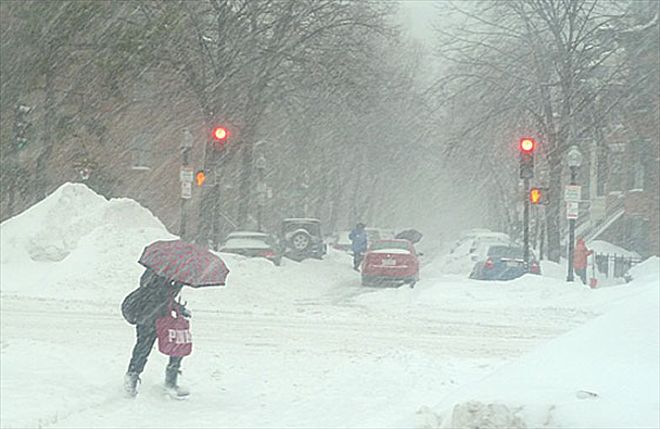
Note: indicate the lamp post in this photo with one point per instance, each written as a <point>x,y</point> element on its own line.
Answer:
<point>574,159</point>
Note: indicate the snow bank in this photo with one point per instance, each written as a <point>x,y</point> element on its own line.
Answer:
<point>75,244</point>
<point>75,239</point>
<point>603,374</point>
<point>646,271</point>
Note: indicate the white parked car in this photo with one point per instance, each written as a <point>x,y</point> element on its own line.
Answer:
<point>472,249</point>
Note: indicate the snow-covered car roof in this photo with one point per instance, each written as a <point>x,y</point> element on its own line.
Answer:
<point>244,243</point>
<point>342,237</point>
<point>255,234</point>
<point>474,232</point>
<point>302,219</point>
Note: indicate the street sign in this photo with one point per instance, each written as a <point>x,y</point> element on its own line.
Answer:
<point>186,190</point>
<point>186,175</point>
<point>187,142</point>
<point>572,193</point>
<point>572,210</point>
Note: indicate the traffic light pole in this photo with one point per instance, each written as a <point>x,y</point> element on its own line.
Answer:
<point>526,223</point>
<point>571,234</point>
<point>186,147</point>
<point>185,162</point>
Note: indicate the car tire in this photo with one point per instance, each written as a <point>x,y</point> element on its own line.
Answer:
<point>300,241</point>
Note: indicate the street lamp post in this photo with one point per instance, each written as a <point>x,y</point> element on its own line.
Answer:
<point>574,159</point>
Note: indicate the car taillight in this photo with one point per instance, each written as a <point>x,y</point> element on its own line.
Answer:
<point>267,254</point>
<point>489,264</point>
<point>534,268</point>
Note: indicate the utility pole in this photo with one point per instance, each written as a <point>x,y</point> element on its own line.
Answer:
<point>186,178</point>
<point>526,149</point>
<point>526,223</point>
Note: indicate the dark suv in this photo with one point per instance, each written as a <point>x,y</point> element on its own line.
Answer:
<point>301,238</point>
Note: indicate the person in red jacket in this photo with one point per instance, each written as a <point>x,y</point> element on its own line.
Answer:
<point>580,259</point>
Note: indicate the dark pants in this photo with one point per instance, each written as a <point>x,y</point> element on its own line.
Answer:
<point>582,273</point>
<point>357,259</point>
<point>146,337</point>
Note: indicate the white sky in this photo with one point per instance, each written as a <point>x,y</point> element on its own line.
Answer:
<point>417,17</point>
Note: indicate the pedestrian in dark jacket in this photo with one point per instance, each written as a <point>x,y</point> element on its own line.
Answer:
<point>358,238</point>
<point>143,307</point>
<point>580,259</point>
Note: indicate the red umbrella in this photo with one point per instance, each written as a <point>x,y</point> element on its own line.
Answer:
<point>185,262</point>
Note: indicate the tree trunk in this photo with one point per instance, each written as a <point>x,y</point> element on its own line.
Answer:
<point>245,179</point>
<point>334,200</point>
<point>554,214</point>
<point>42,182</point>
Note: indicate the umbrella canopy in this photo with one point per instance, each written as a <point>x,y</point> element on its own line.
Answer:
<point>187,263</point>
<point>410,234</point>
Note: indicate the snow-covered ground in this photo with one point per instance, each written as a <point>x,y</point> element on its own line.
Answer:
<point>304,345</point>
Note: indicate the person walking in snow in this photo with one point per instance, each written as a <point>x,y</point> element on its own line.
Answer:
<point>580,259</point>
<point>142,308</point>
<point>358,237</point>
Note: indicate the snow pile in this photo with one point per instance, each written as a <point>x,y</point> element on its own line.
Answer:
<point>647,271</point>
<point>602,374</point>
<point>74,237</point>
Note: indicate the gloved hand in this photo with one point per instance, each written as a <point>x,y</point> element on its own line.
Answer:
<point>185,312</point>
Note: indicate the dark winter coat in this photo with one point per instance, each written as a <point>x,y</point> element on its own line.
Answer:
<point>150,301</point>
<point>359,239</point>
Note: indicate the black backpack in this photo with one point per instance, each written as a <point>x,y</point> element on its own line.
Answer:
<point>130,307</point>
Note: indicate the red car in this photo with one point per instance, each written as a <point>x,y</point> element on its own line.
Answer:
<point>390,261</point>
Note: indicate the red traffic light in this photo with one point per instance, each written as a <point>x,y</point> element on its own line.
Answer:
<point>527,145</point>
<point>535,195</point>
<point>220,133</point>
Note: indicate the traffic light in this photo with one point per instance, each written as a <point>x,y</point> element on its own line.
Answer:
<point>200,177</point>
<point>526,147</point>
<point>219,135</point>
<point>538,195</point>
<point>21,125</point>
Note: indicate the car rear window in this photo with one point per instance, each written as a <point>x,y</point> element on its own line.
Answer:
<point>505,252</point>
<point>382,245</point>
<point>246,243</point>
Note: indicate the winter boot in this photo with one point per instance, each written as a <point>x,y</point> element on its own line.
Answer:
<point>171,386</point>
<point>131,380</point>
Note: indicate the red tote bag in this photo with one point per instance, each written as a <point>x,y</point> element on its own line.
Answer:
<point>174,338</point>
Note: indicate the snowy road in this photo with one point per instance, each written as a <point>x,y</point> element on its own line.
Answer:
<point>336,355</point>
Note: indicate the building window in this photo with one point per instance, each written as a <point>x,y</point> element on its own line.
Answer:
<point>141,154</point>
<point>637,172</point>
<point>616,180</point>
